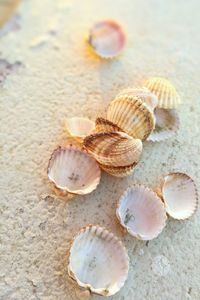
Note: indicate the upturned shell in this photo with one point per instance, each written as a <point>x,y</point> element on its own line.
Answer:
<point>132,116</point>
<point>98,261</point>
<point>167,95</point>
<point>79,127</point>
<point>107,39</point>
<point>141,212</point>
<point>103,125</point>
<point>143,93</point>
<point>116,149</point>
<point>167,124</point>
<point>119,171</point>
<point>73,170</point>
<point>179,194</point>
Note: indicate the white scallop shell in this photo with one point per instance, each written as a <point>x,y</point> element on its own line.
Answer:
<point>167,124</point>
<point>107,39</point>
<point>98,261</point>
<point>143,93</point>
<point>79,127</point>
<point>141,212</point>
<point>179,194</point>
<point>73,170</point>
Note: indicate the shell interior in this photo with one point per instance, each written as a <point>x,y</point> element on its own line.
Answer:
<point>73,170</point>
<point>141,212</point>
<point>98,261</point>
<point>79,127</point>
<point>107,39</point>
<point>167,124</point>
<point>180,195</point>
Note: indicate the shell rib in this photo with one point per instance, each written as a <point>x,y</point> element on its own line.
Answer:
<point>167,95</point>
<point>141,212</point>
<point>72,170</point>
<point>167,124</point>
<point>98,261</point>
<point>79,127</point>
<point>132,116</point>
<point>103,125</point>
<point>116,149</point>
<point>179,194</point>
<point>107,39</point>
<point>142,93</point>
<point>119,171</point>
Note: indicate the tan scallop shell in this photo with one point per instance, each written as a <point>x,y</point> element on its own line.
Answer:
<point>167,124</point>
<point>107,39</point>
<point>79,127</point>
<point>119,171</point>
<point>132,116</point>
<point>141,212</point>
<point>73,171</point>
<point>167,95</point>
<point>116,149</point>
<point>143,93</point>
<point>179,194</point>
<point>103,125</point>
<point>98,261</point>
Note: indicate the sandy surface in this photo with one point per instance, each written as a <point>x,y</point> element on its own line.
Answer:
<point>46,75</point>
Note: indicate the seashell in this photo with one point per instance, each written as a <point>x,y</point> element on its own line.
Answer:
<point>119,171</point>
<point>7,10</point>
<point>103,125</point>
<point>98,261</point>
<point>143,93</point>
<point>167,95</point>
<point>167,124</point>
<point>179,194</point>
<point>107,39</point>
<point>79,127</point>
<point>116,149</point>
<point>72,170</point>
<point>132,116</point>
<point>141,212</point>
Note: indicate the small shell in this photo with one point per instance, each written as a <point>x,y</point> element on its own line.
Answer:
<point>116,149</point>
<point>141,212</point>
<point>79,127</point>
<point>73,170</point>
<point>119,171</point>
<point>143,93</point>
<point>132,116</point>
<point>98,261</point>
<point>167,95</point>
<point>179,194</point>
<point>103,125</point>
<point>107,39</point>
<point>167,124</point>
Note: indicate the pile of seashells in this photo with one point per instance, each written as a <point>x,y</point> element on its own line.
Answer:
<point>98,261</point>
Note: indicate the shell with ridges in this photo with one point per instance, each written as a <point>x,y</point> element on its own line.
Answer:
<point>167,95</point>
<point>119,171</point>
<point>179,194</point>
<point>132,116</point>
<point>167,124</point>
<point>72,170</point>
<point>79,127</point>
<point>104,125</point>
<point>116,149</point>
<point>98,261</point>
<point>141,212</point>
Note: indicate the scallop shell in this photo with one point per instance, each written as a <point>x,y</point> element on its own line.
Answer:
<point>72,170</point>
<point>119,171</point>
<point>141,212</point>
<point>116,149</point>
<point>103,125</point>
<point>143,93</point>
<point>107,39</point>
<point>98,261</point>
<point>179,194</point>
<point>167,124</point>
<point>79,127</point>
<point>132,116</point>
<point>167,95</point>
